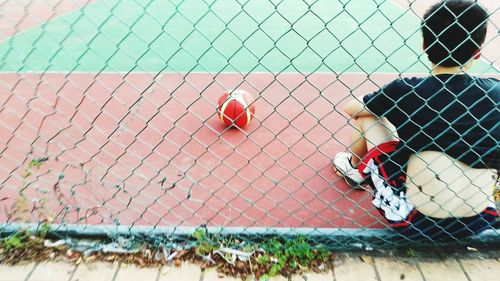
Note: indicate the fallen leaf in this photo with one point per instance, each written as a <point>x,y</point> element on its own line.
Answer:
<point>366,259</point>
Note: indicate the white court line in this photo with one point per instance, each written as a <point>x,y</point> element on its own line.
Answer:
<point>236,73</point>
<point>195,72</point>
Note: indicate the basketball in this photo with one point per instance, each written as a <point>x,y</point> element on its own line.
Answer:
<point>236,108</point>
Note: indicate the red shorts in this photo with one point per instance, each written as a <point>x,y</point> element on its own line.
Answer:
<point>388,183</point>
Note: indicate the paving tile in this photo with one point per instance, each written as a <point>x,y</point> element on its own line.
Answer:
<point>212,275</point>
<point>297,278</point>
<point>313,276</point>
<point>354,269</point>
<point>479,270</point>
<point>439,270</point>
<point>52,271</point>
<point>395,269</point>
<point>128,272</point>
<point>278,278</point>
<point>15,272</point>
<point>99,271</point>
<point>185,272</point>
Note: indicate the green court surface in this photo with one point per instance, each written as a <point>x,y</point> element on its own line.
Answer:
<point>224,36</point>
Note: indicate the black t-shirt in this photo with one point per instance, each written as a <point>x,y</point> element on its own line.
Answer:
<point>455,114</point>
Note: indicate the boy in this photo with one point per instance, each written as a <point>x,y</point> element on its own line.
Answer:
<point>429,147</point>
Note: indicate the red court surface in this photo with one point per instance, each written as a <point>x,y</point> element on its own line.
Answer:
<point>130,148</point>
<point>143,150</point>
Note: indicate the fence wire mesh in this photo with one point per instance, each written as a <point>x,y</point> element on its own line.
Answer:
<point>109,125</point>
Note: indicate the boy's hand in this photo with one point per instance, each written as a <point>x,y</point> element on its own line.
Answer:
<point>356,108</point>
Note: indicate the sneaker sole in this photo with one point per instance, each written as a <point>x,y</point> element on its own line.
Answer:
<point>355,185</point>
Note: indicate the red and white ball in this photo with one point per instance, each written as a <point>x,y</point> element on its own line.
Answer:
<point>236,108</point>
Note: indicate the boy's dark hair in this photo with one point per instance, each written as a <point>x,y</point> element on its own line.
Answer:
<point>453,31</point>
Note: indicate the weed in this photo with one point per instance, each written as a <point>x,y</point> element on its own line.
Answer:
<point>22,209</point>
<point>43,230</point>
<point>264,277</point>
<point>24,245</point>
<point>21,241</point>
<point>199,234</point>
<point>204,245</point>
<point>14,242</point>
<point>36,163</point>
<point>263,259</point>
<point>299,251</point>
<point>294,254</point>
<point>411,253</point>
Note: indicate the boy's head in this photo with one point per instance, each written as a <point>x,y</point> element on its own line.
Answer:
<point>453,32</point>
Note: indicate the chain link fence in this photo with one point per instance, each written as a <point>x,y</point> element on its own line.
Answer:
<point>108,117</point>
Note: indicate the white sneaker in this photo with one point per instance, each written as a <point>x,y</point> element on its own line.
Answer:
<point>343,167</point>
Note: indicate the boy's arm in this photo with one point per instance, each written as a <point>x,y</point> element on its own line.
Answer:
<point>356,108</point>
